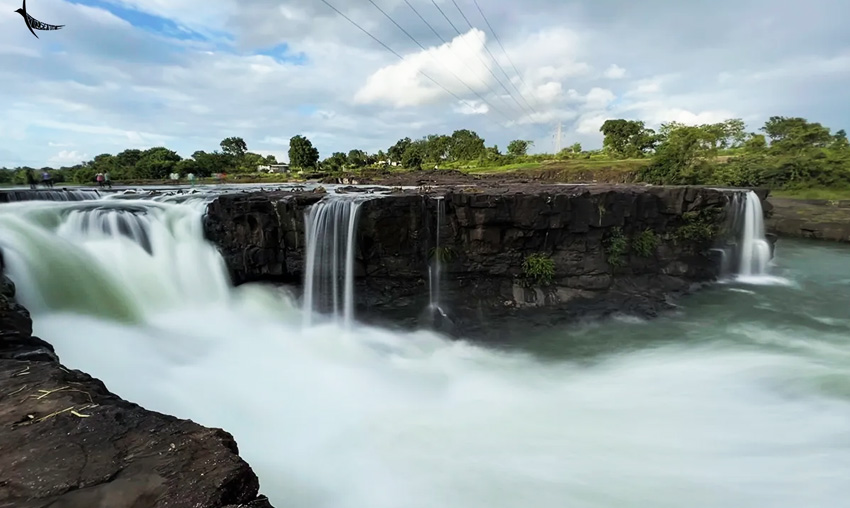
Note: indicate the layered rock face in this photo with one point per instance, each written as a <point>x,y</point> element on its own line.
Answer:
<point>611,248</point>
<point>811,218</point>
<point>67,442</point>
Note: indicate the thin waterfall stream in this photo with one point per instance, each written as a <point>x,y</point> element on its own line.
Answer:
<point>331,236</point>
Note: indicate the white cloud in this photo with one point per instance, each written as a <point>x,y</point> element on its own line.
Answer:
<point>599,98</point>
<point>458,64</point>
<point>67,158</point>
<point>615,72</point>
<point>471,108</point>
<point>102,85</point>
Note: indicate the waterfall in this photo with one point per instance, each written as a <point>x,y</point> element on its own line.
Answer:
<point>330,228</point>
<point>754,252</point>
<point>110,258</point>
<point>51,195</point>
<point>436,269</point>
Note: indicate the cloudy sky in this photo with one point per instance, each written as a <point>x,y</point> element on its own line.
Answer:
<point>187,73</point>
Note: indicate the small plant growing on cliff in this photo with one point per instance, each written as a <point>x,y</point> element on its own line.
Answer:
<point>443,254</point>
<point>645,243</point>
<point>699,226</point>
<point>616,247</point>
<point>538,269</point>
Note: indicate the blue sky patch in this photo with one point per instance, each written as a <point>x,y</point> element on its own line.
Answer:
<point>282,54</point>
<point>145,21</point>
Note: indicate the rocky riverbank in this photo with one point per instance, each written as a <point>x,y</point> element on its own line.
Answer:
<point>810,218</point>
<point>67,442</point>
<point>609,249</point>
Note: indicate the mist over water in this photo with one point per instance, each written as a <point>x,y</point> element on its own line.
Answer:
<point>739,399</point>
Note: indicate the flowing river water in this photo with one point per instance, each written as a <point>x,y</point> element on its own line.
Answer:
<point>741,398</point>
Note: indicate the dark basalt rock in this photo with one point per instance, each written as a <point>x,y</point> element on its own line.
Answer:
<point>67,442</point>
<point>810,218</point>
<point>490,230</point>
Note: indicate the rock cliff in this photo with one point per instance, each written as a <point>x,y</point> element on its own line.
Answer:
<point>67,442</point>
<point>810,218</point>
<point>610,249</point>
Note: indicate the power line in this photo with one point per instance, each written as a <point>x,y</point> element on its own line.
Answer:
<point>434,30</point>
<point>391,50</point>
<point>486,65</point>
<point>494,108</point>
<point>493,57</point>
<point>519,75</point>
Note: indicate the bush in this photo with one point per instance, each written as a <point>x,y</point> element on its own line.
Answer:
<point>645,243</point>
<point>539,269</point>
<point>616,247</point>
<point>699,226</point>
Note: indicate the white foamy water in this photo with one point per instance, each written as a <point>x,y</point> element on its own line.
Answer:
<point>731,403</point>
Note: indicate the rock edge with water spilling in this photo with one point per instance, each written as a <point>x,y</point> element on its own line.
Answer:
<point>66,441</point>
<point>490,230</point>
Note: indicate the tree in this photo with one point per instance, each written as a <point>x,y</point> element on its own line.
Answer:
<point>302,154</point>
<point>126,162</point>
<point>209,163</point>
<point>186,166</point>
<point>396,151</point>
<point>684,157</point>
<point>735,131</point>
<point>493,153</point>
<point>519,147</point>
<point>336,162</point>
<point>234,146</point>
<point>413,156</point>
<point>356,158</point>
<point>105,162</point>
<point>627,138</point>
<point>839,141</point>
<point>575,148</point>
<point>157,162</point>
<point>436,147</point>
<point>249,162</point>
<point>794,135</point>
<point>466,145</point>
<point>755,143</point>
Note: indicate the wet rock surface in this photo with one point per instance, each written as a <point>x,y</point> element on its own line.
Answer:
<point>810,218</point>
<point>665,236</point>
<point>67,442</point>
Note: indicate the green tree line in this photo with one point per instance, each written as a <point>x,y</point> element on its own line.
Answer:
<point>155,163</point>
<point>786,152</point>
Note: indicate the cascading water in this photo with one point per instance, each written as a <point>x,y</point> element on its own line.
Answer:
<point>754,248</point>
<point>110,258</point>
<point>331,227</point>
<point>740,399</point>
<point>51,195</point>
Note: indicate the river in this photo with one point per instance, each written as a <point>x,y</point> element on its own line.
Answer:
<point>740,398</point>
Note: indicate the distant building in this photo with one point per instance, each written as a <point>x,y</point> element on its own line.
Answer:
<point>274,168</point>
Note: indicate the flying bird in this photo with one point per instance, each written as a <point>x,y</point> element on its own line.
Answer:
<point>34,23</point>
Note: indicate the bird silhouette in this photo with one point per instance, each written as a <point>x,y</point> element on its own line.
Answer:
<point>34,23</point>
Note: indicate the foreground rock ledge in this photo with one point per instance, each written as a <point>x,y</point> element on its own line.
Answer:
<point>67,442</point>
